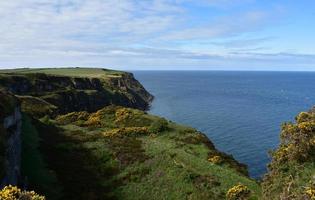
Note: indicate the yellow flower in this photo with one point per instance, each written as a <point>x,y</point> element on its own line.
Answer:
<point>122,114</point>
<point>129,131</point>
<point>310,192</point>
<point>14,193</point>
<point>215,160</point>
<point>238,192</point>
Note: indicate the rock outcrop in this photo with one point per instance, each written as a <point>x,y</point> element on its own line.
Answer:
<point>10,133</point>
<point>57,94</point>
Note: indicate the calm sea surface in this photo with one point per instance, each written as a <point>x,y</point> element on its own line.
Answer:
<point>241,112</point>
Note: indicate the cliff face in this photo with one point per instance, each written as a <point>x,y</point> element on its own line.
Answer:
<point>104,151</point>
<point>52,94</point>
<point>10,133</point>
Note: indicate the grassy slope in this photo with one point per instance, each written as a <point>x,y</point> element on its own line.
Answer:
<point>168,164</point>
<point>38,177</point>
<point>72,72</point>
<point>144,161</point>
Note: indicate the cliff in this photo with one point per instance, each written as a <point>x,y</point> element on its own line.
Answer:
<point>10,139</point>
<point>80,132</point>
<point>50,92</point>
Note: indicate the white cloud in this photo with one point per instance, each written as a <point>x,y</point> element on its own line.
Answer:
<point>122,33</point>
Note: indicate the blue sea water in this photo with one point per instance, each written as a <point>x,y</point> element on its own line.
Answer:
<point>241,112</point>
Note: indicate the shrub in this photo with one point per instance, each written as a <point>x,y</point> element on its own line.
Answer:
<point>129,131</point>
<point>158,126</point>
<point>94,120</point>
<point>310,190</point>
<point>72,117</point>
<point>122,114</point>
<point>131,117</point>
<point>14,193</point>
<point>215,159</point>
<point>304,116</point>
<point>297,148</point>
<point>297,140</point>
<point>310,193</point>
<point>238,192</point>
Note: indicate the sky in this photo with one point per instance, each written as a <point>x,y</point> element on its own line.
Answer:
<point>159,34</point>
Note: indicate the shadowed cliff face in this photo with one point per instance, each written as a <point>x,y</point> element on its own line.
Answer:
<point>10,139</point>
<point>43,94</point>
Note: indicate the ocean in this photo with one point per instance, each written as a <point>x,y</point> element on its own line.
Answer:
<point>241,112</point>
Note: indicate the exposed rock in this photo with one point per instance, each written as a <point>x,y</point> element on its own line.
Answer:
<point>10,134</point>
<point>69,94</point>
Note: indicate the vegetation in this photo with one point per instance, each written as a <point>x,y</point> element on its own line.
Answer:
<point>33,166</point>
<point>72,72</point>
<point>37,107</point>
<point>2,151</point>
<point>158,126</point>
<point>292,167</point>
<point>215,159</point>
<point>7,103</point>
<point>71,143</point>
<point>63,90</point>
<point>118,153</point>
<point>238,192</point>
<point>7,107</point>
<point>14,193</point>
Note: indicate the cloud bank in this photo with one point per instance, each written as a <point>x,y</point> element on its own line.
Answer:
<point>152,34</point>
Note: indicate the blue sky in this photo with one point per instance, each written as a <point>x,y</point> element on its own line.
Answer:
<point>159,34</point>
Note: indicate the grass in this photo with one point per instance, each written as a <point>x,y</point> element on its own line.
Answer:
<point>53,91</point>
<point>81,162</point>
<point>180,167</point>
<point>36,107</point>
<point>72,72</point>
<point>34,168</point>
<point>159,165</point>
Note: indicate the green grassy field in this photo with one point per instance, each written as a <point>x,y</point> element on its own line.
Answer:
<point>122,153</point>
<point>72,72</point>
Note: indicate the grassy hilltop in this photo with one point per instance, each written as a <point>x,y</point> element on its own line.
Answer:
<point>72,72</point>
<point>62,90</point>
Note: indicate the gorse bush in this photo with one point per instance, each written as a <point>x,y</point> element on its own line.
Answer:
<point>297,140</point>
<point>238,192</point>
<point>94,120</point>
<point>14,193</point>
<point>310,193</point>
<point>72,117</point>
<point>131,117</point>
<point>215,159</point>
<point>158,126</point>
<point>291,163</point>
<point>128,131</point>
<point>122,114</point>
